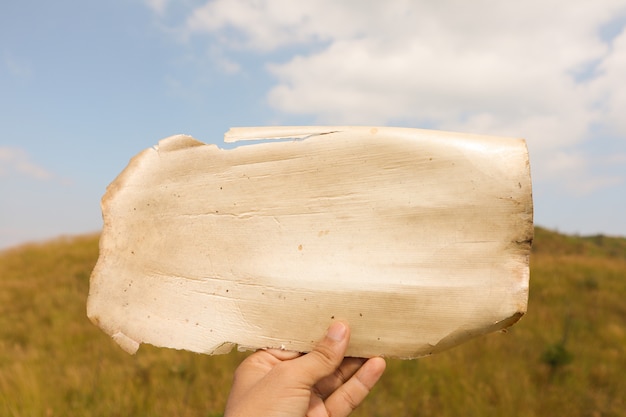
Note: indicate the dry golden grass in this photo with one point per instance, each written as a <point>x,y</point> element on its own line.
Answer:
<point>566,357</point>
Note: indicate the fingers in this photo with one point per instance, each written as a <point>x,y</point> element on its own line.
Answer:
<point>327,355</point>
<point>348,396</point>
<point>329,384</point>
<point>339,384</point>
<point>282,355</point>
<point>345,382</point>
<point>256,366</point>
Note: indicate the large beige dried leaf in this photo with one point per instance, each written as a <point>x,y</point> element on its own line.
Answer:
<point>419,239</point>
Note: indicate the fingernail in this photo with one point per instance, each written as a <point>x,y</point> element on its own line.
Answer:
<point>337,331</point>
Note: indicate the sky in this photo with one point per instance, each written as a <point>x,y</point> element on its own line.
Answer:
<point>86,85</point>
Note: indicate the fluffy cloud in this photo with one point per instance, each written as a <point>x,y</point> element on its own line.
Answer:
<point>17,67</point>
<point>15,160</point>
<point>539,69</point>
<point>609,88</point>
<point>158,6</point>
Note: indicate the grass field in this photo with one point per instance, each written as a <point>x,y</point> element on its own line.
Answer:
<point>566,357</point>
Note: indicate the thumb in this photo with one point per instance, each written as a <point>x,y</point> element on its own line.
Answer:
<point>326,356</point>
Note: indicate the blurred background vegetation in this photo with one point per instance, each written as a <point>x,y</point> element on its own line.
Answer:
<point>566,357</point>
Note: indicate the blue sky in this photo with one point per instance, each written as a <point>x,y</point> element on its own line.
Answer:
<point>85,85</point>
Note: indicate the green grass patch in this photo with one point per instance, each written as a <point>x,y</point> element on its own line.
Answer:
<point>566,357</point>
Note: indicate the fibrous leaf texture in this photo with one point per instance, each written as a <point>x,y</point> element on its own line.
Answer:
<point>418,239</point>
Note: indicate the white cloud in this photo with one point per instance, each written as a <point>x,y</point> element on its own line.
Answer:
<point>267,25</point>
<point>617,159</point>
<point>538,69</point>
<point>157,6</point>
<point>581,174</point>
<point>15,160</point>
<point>222,62</point>
<point>17,67</point>
<point>589,185</point>
<point>609,87</point>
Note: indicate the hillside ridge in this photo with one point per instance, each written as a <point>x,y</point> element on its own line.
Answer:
<point>566,356</point>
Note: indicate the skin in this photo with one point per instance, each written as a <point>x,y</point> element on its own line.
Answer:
<point>322,383</point>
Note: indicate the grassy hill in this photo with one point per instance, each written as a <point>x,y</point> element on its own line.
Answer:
<point>566,357</point>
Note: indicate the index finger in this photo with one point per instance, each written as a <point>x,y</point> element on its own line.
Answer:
<point>351,394</point>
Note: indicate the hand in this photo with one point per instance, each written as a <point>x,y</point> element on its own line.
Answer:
<point>322,383</point>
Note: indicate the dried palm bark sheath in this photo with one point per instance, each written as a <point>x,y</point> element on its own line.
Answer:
<point>418,239</point>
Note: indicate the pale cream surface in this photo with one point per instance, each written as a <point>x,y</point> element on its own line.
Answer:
<point>419,239</point>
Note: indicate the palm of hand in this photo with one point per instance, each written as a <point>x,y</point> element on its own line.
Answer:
<point>275,383</point>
